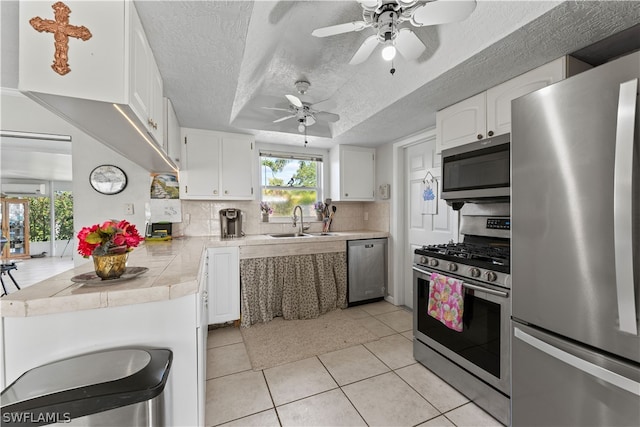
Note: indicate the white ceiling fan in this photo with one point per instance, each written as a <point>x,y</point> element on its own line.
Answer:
<point>385,16</point>
<point>305,113</point>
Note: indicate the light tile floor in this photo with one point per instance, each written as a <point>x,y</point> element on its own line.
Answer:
<point>376,384</point>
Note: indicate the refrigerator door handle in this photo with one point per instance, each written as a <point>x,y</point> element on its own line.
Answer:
<point>623,206</point>
<point>599,372</point>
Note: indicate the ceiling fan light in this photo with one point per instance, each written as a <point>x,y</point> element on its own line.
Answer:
<point>301,127</point>
<point>389,52</point>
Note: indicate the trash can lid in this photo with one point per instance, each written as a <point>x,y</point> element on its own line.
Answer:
<point>92,382</point>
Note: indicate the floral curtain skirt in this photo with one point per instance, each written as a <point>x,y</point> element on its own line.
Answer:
<point>294,287</point>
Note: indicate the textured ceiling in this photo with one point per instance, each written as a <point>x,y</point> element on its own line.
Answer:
<point>223,61</point>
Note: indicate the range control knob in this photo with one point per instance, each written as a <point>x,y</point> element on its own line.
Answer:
<point>452,266</point>
<point>433,262</point>
<point>423,260</point>
<point>475,272</point>
<point>491,276</point>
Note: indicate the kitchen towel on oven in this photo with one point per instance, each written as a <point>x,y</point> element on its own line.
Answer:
<point>446,300</point>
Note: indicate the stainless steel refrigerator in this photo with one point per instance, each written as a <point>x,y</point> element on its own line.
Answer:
<point>575,252</point>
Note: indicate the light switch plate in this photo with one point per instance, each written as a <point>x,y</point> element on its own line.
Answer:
<point>128,209</point>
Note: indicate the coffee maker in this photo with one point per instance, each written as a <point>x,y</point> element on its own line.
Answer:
<point>231,223</point>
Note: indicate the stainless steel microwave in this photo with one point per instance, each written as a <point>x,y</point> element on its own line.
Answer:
<point>477,172</point>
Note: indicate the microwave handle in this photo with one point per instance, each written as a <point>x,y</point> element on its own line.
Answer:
<point>623,206</point>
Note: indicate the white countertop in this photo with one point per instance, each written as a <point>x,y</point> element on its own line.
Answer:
<point>174,270</point>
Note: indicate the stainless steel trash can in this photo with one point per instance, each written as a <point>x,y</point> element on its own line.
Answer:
<point>119,387</point>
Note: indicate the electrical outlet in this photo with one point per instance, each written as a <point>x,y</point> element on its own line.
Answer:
<point>366,216</point>
<point>128,209</point>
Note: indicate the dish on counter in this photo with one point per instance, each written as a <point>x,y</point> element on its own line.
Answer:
<point>92,279</point>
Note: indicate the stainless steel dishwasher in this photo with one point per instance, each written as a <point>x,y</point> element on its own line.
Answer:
<point>367,263</point>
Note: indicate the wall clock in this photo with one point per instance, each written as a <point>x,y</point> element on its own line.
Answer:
<point>108,179</point>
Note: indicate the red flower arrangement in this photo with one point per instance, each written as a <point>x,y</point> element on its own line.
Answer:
<point>112,237</point>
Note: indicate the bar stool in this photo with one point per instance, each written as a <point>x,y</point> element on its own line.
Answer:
<point>6,268</point>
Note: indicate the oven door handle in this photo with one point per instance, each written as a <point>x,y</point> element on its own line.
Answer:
<point>421,271</point>
<point>469,285</point>
<point>487,290</point>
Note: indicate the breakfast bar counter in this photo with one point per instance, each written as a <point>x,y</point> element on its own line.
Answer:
<point>175,267</point>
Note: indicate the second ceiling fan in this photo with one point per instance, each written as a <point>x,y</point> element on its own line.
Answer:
<point>305,113</point>
<point>385,16</point>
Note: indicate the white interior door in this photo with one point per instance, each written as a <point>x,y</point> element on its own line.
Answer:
<point>423,228</point>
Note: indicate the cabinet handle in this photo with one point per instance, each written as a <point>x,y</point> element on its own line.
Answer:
<point>346,194</point>
<point>215,191</point>
<point>479,136</point>
<point>490,133</point>
<point>226,192</point>
<point>149,121</point>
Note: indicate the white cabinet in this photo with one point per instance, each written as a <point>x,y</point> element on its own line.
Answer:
<point>352,173</point>
<point>223,284</point>
<point>113,90</point>
<point>217,166</point>
<point>145,88</point>
<point>462,122</point>
<point>172,142</point>
<point>489,113</point>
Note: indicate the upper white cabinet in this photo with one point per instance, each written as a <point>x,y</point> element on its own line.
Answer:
<point>217,165</point>
<point>352,173</point>
<point>145,88</point>
<point>489,113</point>
<point>172,144</point>
<point>112,89</point>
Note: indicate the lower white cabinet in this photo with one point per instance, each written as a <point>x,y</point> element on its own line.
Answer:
<point>223,283</point>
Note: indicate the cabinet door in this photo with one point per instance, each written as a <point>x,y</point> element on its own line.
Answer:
<point>224,284</point>
<point>140,88</point>
<point>156,109</point>
<point>461,123</point>
<point>172,133</point>
<point>499,97</point>
<point>357,174</point>
<point>201,158</point>
<point>237,167</point>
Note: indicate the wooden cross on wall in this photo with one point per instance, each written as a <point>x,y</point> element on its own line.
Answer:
<point>61,32</point>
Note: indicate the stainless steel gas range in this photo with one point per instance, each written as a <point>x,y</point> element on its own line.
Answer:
<point>475,360</point>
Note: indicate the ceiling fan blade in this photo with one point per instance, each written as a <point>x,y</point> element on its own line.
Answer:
<point>326,105</point>
<point>442,12</point>
<point>294,100</point>
<point>282,119</point>
<point>365,50</point>
<point>309,120</point>
<point>369,4</point>
<point>339,29</point>
<point>327,117</point>
<point>408,44</point>
<point>277,109</point>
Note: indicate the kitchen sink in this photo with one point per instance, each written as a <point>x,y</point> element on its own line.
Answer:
<point>289,235</point>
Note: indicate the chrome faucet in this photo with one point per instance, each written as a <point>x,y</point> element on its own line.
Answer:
<point>295,219</point>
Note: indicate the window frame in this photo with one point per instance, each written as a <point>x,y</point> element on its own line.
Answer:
<point>292,154</point>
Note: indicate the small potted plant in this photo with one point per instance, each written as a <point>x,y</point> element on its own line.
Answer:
<point>109,244</point>
<point>266,211</point>
<point>319,207</point>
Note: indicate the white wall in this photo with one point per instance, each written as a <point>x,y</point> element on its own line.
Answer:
<point>384,167</point>
<point>91,207</point>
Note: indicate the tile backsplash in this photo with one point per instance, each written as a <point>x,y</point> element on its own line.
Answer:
<point>201,218</point>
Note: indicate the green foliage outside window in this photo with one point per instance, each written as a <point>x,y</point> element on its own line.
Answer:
<point>40,212</point>
<point>290,182</point>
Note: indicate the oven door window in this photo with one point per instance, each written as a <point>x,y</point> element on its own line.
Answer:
<point>487,168</point>
<point>479,341</point>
